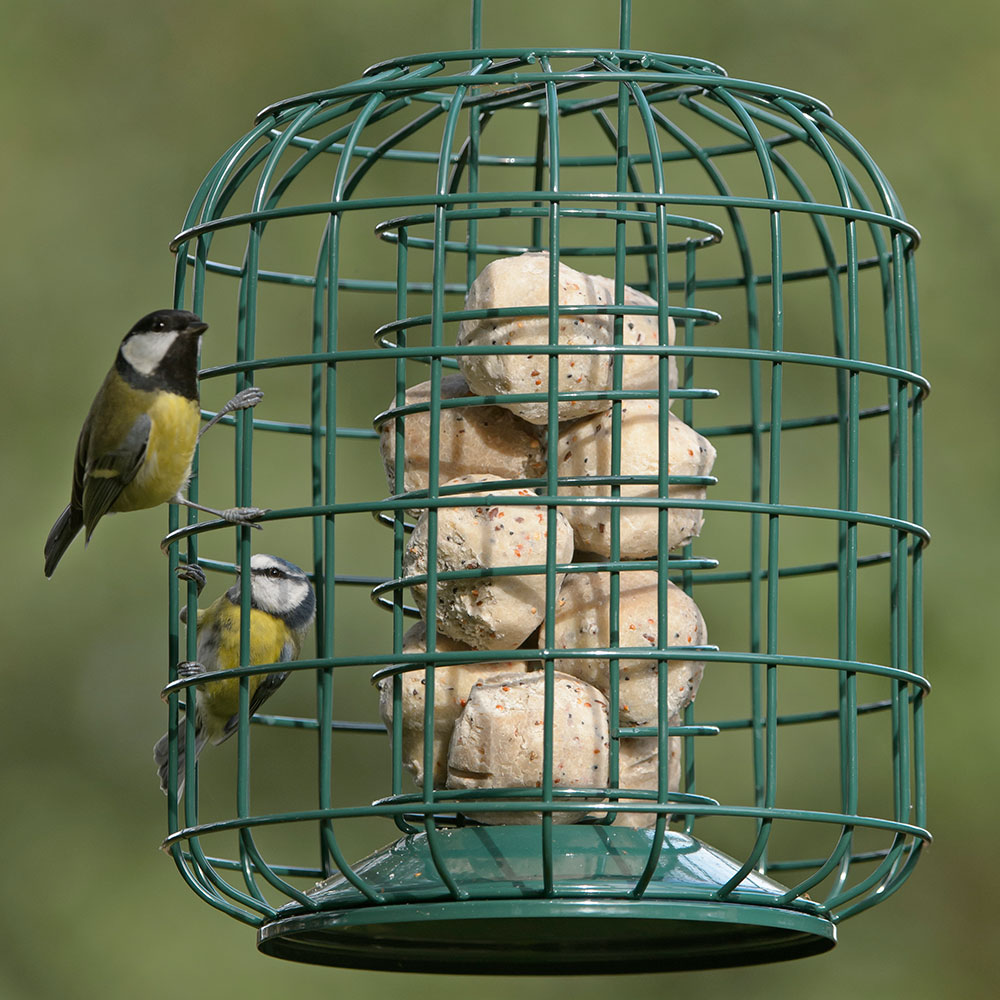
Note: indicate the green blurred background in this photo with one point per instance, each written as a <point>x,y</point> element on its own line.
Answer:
<point>113,113</point>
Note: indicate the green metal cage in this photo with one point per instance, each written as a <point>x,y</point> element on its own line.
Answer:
<point>339,238</point>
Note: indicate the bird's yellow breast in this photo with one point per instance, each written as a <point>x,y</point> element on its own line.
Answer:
<point>268,635</point>
<point>166,466</point>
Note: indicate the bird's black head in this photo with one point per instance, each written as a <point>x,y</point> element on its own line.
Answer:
<point>161,352</point>
<point>169,321</point>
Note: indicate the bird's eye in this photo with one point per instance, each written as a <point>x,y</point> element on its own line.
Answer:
<point>274,572</point>
<point>158,324</point>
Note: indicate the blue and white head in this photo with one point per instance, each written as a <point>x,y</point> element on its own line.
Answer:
<point>279,588</point>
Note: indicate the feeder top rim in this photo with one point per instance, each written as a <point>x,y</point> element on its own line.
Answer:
<point>642,67</point>
<point>531,54</point>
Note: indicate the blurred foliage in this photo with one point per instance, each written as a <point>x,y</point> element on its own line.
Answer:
<point>113,113</point>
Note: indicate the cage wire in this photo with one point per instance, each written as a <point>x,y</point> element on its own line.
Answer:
<point>756,222</point>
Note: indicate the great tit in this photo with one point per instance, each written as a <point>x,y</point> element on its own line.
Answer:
<point>282,607</point>
<point>137,443</point>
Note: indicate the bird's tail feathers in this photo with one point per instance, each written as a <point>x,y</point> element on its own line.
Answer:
<point>161,754</point>
<point>67,525</point>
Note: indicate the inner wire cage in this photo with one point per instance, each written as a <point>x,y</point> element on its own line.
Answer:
<point>770,238</point>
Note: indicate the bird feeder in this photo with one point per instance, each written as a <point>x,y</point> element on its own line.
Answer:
<point>754,235</point>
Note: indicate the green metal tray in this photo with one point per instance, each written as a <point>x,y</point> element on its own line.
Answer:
<point>592,922</point>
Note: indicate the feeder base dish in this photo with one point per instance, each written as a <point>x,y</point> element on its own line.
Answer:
<point>590,923</point>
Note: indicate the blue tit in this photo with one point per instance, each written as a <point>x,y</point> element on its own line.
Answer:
<point>282,607</point>
<point>137,443</point>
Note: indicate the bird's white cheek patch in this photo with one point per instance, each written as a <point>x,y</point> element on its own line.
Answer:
<point>268,593</point>
<point>145,351</point>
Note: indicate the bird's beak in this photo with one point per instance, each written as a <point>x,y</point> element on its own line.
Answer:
<point>197,328</point>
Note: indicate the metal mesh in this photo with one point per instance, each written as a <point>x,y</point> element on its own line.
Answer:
<point>774,241</point>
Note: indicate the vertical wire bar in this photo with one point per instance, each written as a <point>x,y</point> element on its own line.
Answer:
<point>848,628</point>
<point>847,700</point>
<point>433,492</point>
<point>206,202</point>
<point>688,780</point>
<point>899,706</point>
<point>471,265</point>
<point>552,119</point>
<point>848,498</point>
<point>663,490</point>
<point>757,428</point>
<point>768,793</point>
<point>916,591</point>
<point>663,631</point>
<point>318,431</point>
<point>853,486</point>
<point>840,854</point>
<point>333,855</point>
<point>434,418</point>
<point>477,24</point>
<point>190,693</point>
<point>244,423</point>
<point>846,703</point>
<point>324,677</point>
<point>244,486</point>
<point>849,531</point>
<point>773,554</point>
<point>900,509</point>
<point>538,178</point>
<point>173,657</point>
<point>471,262</point>
<point>398,529</point>
<point>757,424</point>
<point>756,557</point>
<point>207,876</point>
<point>687,379</point>
<point>173,519</point>
<point>756,560</point>
<point>325,693</point>
<point>614,490</point>
<point>897,572</point>
<point>848,726</point>
<point>197,306</point>
<point>910,338</point>
<point>330,853</point>
<point>329,264</point>
<point>622,164</point>
<point>625,25</point>
<point>251,860</point>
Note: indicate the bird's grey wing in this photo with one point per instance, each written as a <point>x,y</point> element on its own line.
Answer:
<point>265,689</point>
<point>108,473</point>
